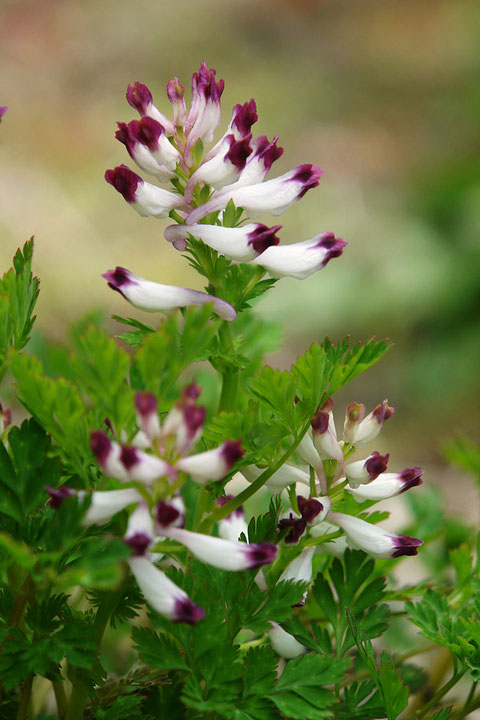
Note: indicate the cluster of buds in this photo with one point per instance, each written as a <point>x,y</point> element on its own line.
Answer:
<point>201,185</point>
<point>154,466</point>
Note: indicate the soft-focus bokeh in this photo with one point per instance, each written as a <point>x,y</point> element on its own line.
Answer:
<point>385,96</point>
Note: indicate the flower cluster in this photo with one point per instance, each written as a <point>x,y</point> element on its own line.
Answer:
<point>326,466</point>
<point>155,466</point>
<point>201,185</point>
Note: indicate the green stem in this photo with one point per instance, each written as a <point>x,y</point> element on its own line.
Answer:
<point>221,511</point>
<point>465,710</point>
<point>228,395</point>
<point>440,693</point>
<point>24,701</point>
<point>80,691</point>
<point>61,699</point>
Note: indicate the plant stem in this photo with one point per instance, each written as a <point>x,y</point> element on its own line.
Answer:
<point>61,699</point>
<point>229,391</point>
<point>24,701</point>
<point>441,692</point>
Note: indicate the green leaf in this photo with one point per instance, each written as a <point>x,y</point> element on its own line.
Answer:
<point>159,651</point>
<point>298,692</point>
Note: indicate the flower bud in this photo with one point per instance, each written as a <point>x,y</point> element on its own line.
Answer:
<point>360,430</point>
<point>140,98</point>
<point>285,644</point>
<point>176,93</point>
<point>325,435</point>
<point>147,416</point>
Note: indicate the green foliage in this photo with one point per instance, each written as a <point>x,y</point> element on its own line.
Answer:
<point>18,294</point>
<point>465,454</point>
<point>351,588</point>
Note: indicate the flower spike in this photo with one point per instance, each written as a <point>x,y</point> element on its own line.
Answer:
<point>154,297</point>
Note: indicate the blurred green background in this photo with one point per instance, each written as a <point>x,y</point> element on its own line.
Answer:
<point>385,96</point>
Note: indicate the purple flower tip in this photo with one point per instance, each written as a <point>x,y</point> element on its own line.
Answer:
<point>319,422</point>
<point>297,528</point>
<point>411,477</point>
<point>118,278</point>
<point>146,131</point>
<point>245,116</point>
<point>406,545</point>
<point>263,237</point>
<point>232,451</point>
<point>139,543</point>
<point>124,180</point>
<point>190,393</point>
<point>382,412</point>
<point>194,418</point>
<point>129,456</point>
<point>204,83</point>
<point>58,495</point>
<point>239,152</point>
<point>307,176</point>
<point>261,554</point>
<point>268,151</point>
<point>376,464</point>
<point>139,97</point>
<point>145,403</point>
<point>167,514</point>
<point>355,412</point>
<point>123,135</point>
<point>175,90</point>
<point>309,508</point>
<point>100,445</point>
<point>334,246</point>
<point>185,611</point>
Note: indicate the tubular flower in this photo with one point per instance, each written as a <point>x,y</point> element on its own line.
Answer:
<point>387,485</point>
<point>203,181</point>
<point>376,541</point>
<point>154,297</point>
<point>240,243</point>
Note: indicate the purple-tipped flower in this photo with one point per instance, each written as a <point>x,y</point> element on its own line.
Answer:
<point>360,430</point>
<point>325,435</point>
<point>154,297</point>
<point>225,167</point>
<point>387,485</point>
<point>231,527</point>
<point>170,513</point>
<point>126,462</point>
<point>140,98</point>
<point>211,464</point>
<point>273,196</point>
<point>190,428</point>
<point>364,471</point>
<point>58,495</point>
<point>373,540</point>
<point>258,165</point>
<point>140,535</point>
<point>286,475</point>
<point>162,594</point>
<point>147,415</point>
<point>147,199</point>
<point>240,244</point>
<point>204,115</point>
<point>224,554</point>
<point>176,95</point>
<point>299,260</point>
<point>149,147</point>
<point>243,117</point>
<point>296,527</point>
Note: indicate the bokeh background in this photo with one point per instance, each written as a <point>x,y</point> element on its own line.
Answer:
<point>385,96</point>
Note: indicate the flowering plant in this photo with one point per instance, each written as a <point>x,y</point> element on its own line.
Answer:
<point>242,526</point>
